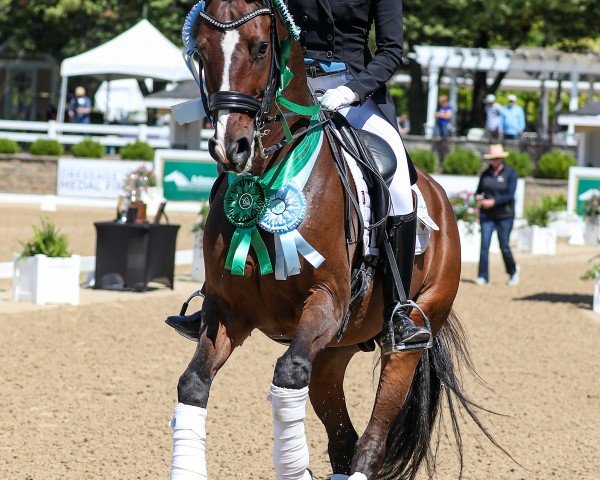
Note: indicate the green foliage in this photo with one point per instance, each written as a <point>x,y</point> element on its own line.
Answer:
<point>88,148</point>
<point>425,160</point>
<point>8,146</point>
<point>554,165</point>
<point>520,161</point>
<point>46,147</point>
<point>137,151</point>
<point>593,271</point>
<point>46,240</point>
<point>464,206</point>
<point>200,221</point>
<point>539,214</point>
<point>591,207</point>
<point>462,161</point>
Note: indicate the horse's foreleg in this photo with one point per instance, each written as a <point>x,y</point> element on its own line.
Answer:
<point>327,398</point>
<point>289,389</point>
<point>394,383</point>
<point>217,341</point>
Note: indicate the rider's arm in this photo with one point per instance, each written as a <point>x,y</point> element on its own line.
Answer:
<point>388,56</point>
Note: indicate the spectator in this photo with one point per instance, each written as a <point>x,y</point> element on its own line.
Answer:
<point>496,200</point>
<point>404,124</point>
<point>512,119</point>
<point>493,111</point>
<point>443,115</point>
<point>80,107</point>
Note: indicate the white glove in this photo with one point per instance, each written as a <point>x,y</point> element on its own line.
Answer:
<point>335,98</point>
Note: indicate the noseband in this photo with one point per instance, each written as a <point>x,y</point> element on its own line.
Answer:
<point>239,101</point>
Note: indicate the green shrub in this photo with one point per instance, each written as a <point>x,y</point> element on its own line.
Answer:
<point>554,165</point>
<point>462,161</point>
<point>8,146</point>
<point>88,148</point>
<point>520,161</point>
<point>46,147</point>
<point>424,159</point>
<point>137,151</point>
<point>46,240</point>
<point>539,214</point>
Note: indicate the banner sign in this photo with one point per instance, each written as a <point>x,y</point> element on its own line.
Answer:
<point>454,184</point>
<point>584,182</point>
<point>188,180</point>
<point>83,177</point>
<point>185,175</point>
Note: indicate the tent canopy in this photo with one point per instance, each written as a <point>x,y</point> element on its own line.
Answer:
<point>142,51</point>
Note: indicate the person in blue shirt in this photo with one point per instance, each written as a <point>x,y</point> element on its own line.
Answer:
<point>496,200</point>
<point>512,119</point>
<point>443,116</point>
<point>80,107</point>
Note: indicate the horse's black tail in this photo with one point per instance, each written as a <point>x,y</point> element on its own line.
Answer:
<point>409,441</point>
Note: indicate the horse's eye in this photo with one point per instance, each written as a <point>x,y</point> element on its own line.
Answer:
<point>262,50</point>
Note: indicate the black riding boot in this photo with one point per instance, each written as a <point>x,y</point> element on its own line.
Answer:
<point>187,325</point>
<point>401,231</point>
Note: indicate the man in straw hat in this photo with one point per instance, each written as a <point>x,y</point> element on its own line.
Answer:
<point>496,200</point>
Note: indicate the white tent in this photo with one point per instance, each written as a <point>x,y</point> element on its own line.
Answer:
<point>140,52</point>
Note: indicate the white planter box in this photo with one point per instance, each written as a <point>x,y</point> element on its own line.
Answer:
<point>537,240</point>
<point>41,279</point>
<point>470,242</point>
<point>591,233</point>
<point>198,273</point>
<point>596,305</point>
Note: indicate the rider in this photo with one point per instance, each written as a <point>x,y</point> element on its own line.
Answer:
<point>334,38</point>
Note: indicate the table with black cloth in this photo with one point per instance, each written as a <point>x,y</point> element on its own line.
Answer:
<point>129,256</point>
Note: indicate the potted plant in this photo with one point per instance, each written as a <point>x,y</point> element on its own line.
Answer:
<point>197,230</point>
<point>594,274</point>
<point>537,238</point>
<point>591,214</point>
<point>466,213</point>
<point>45,272</point>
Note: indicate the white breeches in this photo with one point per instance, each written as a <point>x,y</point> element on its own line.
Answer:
<point>369,117</point>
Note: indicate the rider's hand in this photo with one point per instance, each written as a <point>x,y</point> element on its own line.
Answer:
<point>335,98</point>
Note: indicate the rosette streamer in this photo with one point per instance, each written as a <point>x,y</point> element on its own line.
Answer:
<point>245,202</point>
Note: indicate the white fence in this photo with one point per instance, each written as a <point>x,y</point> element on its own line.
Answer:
<point>72,133</point>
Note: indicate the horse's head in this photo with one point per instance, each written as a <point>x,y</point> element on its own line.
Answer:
<point>236,47</point>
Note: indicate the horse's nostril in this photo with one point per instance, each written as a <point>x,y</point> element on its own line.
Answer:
<point>238,151</point>
<point>243,146</point>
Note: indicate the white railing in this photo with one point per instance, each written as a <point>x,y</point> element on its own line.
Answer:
<point>72,133</point>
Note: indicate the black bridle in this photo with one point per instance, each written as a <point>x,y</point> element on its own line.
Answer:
<point>239,101</point>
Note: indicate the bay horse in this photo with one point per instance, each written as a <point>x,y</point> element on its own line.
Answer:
<point>237,44</point>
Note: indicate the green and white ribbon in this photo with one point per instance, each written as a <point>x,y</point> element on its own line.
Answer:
<point>245,203</point>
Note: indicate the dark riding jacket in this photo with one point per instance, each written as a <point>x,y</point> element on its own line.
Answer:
<point>338,31</point>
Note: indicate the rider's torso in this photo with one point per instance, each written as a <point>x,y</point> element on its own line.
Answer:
<point>333,30</point>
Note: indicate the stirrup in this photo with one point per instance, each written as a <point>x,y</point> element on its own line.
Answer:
<point>187,326</point>
<point>389,346</point>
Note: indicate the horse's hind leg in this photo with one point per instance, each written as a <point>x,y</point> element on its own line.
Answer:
<point>394,383</point>
<point>319,322</point>
<point>328,400</point>
<point>218,338</point>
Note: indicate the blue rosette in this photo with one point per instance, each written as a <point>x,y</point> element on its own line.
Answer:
<point>285,211</point>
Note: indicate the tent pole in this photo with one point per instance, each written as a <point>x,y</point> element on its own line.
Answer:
<point>62,101</point>
<point>107,99</point>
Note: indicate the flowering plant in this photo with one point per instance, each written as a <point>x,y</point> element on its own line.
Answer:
<point>200,221</point>
<point>591,207</point>
<point>465,206</point>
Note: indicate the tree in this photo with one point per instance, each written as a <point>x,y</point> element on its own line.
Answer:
<point>566,24</point>
<point>63,28</point>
